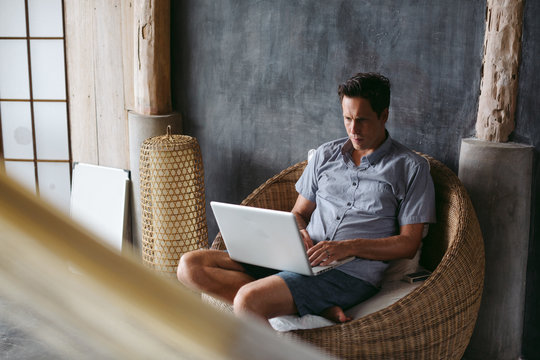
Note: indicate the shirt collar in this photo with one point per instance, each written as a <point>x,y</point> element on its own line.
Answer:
<point>375,156</point>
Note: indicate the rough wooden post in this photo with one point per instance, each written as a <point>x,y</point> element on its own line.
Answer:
<point>152,111</point>
<point>152,78</point>
<point>498,89</point>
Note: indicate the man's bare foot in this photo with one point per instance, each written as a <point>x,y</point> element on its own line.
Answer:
<point>335,314</point>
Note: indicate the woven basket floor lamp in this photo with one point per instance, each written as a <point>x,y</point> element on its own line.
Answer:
<point>172,200</point>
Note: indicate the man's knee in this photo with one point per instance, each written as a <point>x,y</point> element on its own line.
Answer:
<point>248,299</point>
<point>263,299</point>
<point>188,266</point>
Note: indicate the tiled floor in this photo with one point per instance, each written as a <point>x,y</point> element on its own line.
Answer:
<point>25,335</point>
<point>16,338</point>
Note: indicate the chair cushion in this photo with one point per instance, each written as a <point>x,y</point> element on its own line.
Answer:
<point>391,291</point>
<point>401,267</point>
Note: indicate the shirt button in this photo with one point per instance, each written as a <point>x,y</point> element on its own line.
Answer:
<point>327,239</point>
<point>353,184</point>
<point>338,218</point>
<point>349,204</point>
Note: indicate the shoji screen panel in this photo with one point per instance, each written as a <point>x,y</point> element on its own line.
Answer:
<point>34,115</point>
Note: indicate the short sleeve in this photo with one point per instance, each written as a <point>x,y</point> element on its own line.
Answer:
<point>418,205</point>
<point>307,184</point>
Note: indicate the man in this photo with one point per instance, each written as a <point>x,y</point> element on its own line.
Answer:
<point>365,196</point>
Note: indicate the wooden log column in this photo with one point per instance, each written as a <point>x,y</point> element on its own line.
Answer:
<point>498,89</point>
<point>152,111</point>
<point>498,177</point>
<point>152,77</point>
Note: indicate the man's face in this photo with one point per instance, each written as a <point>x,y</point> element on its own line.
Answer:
<point>366,130</point>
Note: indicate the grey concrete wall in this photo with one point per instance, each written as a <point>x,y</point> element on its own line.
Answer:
<point>256,83</point>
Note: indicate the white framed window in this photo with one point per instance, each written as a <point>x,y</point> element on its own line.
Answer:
<point>34,119</point>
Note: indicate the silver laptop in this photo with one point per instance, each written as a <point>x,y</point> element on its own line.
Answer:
<point>266,238</point>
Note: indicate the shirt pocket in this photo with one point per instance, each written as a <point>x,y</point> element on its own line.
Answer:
<point>332,189</point>
<point>377,198</point>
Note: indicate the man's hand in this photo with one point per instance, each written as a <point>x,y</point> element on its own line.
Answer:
<point>326,252</point>
<point>308,243</point>
<point>404,245</point>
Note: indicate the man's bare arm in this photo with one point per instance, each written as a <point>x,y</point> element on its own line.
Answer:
<point>399,246</point>
<point>302,210</point>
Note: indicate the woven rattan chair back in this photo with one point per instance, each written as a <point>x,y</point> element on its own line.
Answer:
<point>437,319</point>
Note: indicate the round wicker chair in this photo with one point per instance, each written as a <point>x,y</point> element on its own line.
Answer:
<point>434,321</point>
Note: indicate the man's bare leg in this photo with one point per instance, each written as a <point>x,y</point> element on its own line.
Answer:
<point>266,298</point>
<point>213,272</point>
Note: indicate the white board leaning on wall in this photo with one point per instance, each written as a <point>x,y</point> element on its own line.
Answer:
<point>100,202</point>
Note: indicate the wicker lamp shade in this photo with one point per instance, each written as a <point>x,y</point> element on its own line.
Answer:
<point>172,200</point>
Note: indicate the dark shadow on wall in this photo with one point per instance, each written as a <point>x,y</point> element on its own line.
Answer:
<point>531,333</point>
<point>528,132</point>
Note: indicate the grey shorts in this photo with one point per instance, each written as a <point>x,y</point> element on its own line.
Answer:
<point>314,294</point>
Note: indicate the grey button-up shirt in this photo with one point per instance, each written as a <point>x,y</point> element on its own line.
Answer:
<point>391,187</point>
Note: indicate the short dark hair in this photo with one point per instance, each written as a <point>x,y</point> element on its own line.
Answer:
<point>373,87</point>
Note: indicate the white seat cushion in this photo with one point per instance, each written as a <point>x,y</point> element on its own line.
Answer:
<point>391,291</point>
